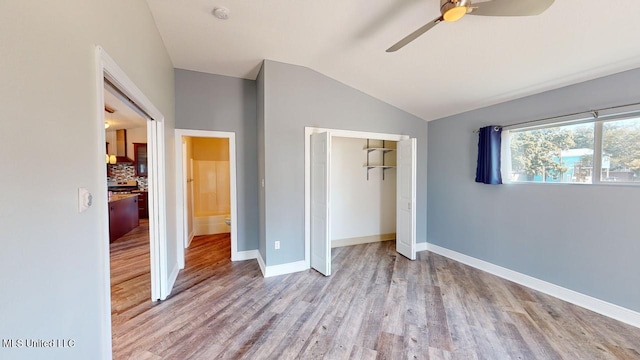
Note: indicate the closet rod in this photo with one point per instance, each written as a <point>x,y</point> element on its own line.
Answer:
<point>594,113</point>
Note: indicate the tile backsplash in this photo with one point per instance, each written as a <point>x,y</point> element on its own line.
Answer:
<point>121,172</point>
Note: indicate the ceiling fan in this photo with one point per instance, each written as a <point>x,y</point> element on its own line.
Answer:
<point>454,10</point>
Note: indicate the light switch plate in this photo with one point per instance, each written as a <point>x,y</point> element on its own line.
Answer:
<point>85,199</point>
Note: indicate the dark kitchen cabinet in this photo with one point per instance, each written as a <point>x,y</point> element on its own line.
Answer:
<point>140,158</point>
<point>143,207</point>
<point>123,216</point>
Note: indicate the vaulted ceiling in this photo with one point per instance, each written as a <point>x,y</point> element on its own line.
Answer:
<point>455,67</point>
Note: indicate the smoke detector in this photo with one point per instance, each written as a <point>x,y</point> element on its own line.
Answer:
<point>221,13</point>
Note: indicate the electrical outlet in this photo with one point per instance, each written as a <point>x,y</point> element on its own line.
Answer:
<point>277,245</point>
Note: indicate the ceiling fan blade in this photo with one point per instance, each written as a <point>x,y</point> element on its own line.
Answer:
<point>510,7</point>
<point>414,35</point>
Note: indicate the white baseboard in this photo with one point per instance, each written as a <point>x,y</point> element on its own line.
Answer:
<point>191,236</point>
<point>245,255</point>
<point>211,229</point>
<point>208,225</point>
<point>172,279</point>
<point>261,264</point>
<point>421,246</point>
<point>282,269</point>
<point>602,307</point>
<point>362,240</point>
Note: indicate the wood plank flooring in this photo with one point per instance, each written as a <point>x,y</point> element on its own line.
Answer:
<point>376,305</point>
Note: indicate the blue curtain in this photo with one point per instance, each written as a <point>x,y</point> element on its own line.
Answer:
<point>488,170</point>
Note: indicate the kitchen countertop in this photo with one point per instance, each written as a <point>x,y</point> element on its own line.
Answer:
<point>118,197</point>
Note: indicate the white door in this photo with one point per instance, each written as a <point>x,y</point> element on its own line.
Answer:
<point>320,242</point>
<point>185,178</point>
<point>406,198</point>
<point>157,234</point>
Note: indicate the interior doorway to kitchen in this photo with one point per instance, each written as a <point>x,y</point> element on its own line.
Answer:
<point>127,184</point>
<point>206,177</point>
<point>161,279</point>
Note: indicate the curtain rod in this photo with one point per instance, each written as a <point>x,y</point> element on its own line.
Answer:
<point>594,113</point>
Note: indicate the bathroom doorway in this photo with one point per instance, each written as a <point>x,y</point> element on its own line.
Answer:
<point>206,175</point>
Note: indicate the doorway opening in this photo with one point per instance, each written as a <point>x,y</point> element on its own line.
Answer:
<point>108,72</point>
<point>207,195</point>
<point>127,185</point>
<point>363,191</point>
<point>320,200</point>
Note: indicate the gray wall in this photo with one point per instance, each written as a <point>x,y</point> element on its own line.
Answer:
<point>221,103</point>
<point>53,277</point>
<point>295,97</point>
<point>582,237</point>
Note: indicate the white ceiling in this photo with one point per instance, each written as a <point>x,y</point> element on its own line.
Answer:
<point>123,117</point>
<point>453,68</point>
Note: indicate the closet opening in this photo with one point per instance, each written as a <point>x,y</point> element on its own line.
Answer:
<point>363,191</point>
<point>359,188</point>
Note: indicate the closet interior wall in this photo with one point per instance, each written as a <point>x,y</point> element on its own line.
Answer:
<point>363,204</point>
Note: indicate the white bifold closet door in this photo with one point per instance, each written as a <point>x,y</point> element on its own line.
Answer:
<point>320,206</point>
<point>320,182</point>
<point>406,198</point>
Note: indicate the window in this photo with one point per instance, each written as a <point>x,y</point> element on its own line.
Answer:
<point>563,153</point>
<point>621,150</point>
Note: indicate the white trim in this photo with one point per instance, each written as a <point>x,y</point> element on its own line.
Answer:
<point>421,246</point>
<point>247,255</point>
<point>154,248</point>
<point>596,175</point>
<point>307,172</point>
<point>157,213</point>
<point>283,269</point>
<point>106,67</point>
<point>181,241</point>
<point>601,307</point>
<point>190,237</point>
<point>104,216</point>
<point>185,216</point>
<point>174,275</point>
<point>263,267</point>
<point>208,225</point>
<point>362,240</point>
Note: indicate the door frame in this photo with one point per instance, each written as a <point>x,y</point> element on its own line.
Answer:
<point>182,239</point>
<point>161,285</point>
<point>307,171</point>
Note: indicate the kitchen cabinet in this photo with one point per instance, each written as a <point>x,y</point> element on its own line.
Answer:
<point>143,207</point>
<point>140,158</point>
<point>123,215</point>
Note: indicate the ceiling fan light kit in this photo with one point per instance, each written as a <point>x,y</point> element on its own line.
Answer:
<point>454,10</point>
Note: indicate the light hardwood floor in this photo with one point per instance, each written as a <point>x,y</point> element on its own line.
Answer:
<point>376,305</point>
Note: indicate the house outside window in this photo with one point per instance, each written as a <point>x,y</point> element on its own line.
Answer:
<point>596,151</point>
